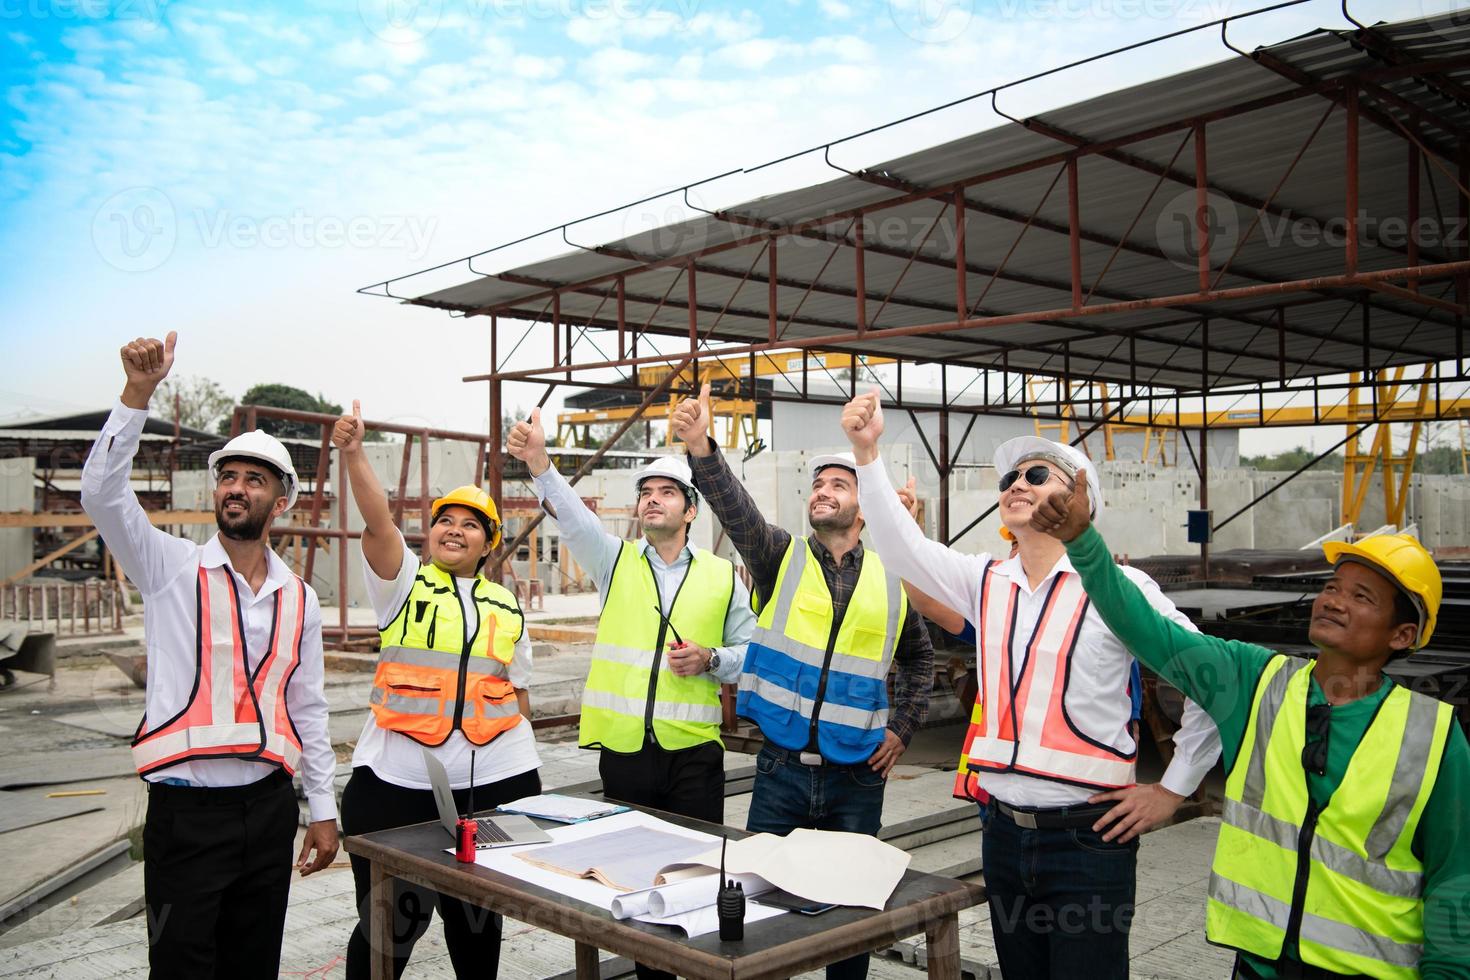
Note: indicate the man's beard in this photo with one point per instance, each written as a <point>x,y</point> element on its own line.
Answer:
<point>839,519</point>
<point>249,527</point>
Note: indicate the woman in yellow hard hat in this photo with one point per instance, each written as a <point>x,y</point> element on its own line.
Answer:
<point>451,681</point>
<point>1343,847</point>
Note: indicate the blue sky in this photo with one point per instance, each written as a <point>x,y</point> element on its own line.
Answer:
<point>236,171</point>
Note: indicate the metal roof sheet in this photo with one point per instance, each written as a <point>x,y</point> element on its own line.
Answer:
<point>1018,249</point>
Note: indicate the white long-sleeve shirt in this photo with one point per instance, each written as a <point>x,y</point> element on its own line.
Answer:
<point>597,550</point>
<point>165,569</point>
<point>1100,662</point>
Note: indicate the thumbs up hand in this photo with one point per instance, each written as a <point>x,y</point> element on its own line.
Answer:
<point>146,362</point>
<point>348,430</point>
<point>527,443</point>
<point>691,423</point>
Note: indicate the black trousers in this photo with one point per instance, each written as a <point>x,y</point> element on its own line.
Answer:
<point>471,933</point>
<point>216,876</point>
<point>689,782</point>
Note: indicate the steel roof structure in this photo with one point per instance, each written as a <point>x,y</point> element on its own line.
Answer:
<point>1260,225</point>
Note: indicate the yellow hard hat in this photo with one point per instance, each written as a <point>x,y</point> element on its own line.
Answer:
<point>1402,558</point>
<point>477,500</point>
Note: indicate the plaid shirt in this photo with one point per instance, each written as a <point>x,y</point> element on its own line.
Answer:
<point>763,545</point>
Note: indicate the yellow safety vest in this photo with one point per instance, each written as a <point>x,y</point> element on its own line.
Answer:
<point>798,666</point>
<point>437,674</point>
<point>1344,879</point>
<point>630,690</point>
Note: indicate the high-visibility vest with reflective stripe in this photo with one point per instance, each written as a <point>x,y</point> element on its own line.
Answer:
<point>234,713</point>
<point>437,673</point>
<point>1359,892</point>
<point>800,664</point>
<point>1020,722</point>
<point>630,690</point>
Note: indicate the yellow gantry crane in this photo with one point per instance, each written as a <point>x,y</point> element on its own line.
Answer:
<point>1402,402</point>
<point>734,419</point>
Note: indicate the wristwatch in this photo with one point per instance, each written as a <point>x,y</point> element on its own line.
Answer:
<point>714,663</point>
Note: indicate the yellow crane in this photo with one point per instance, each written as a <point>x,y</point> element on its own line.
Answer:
<point>734,417</point>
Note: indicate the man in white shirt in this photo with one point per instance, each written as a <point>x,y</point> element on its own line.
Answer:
<point>234,704</point>
<point>674,625</point>
<point>1052,745</point>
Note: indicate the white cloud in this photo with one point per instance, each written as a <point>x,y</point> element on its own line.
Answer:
<point>835,9</point>
<point>536,69</point>
<point>373,84</point>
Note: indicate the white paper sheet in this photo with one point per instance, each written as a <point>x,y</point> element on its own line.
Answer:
<point>818,865</point>
<point>693,924</point>
<point>691,893</point>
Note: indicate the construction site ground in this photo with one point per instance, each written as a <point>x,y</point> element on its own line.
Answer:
<point>71,897</point>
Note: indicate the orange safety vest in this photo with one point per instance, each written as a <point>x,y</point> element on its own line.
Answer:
<point>234,713</point>
<point>1020,722</point>
<point>436,673</point>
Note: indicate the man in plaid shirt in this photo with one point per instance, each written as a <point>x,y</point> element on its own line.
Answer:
<point>831,736</point>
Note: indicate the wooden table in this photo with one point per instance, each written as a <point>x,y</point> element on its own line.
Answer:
<point>782,946</point>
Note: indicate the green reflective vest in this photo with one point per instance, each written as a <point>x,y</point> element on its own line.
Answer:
<point>630,691</point>
<point>436,673</point>
<point>1344,880</point>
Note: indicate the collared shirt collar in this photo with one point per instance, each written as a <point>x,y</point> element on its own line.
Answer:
<point>1011,567</point>
<point>824,554</point>
<point>649,551</point>
<point>276,572</point>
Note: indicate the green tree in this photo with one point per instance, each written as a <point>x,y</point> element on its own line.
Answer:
<point>1292,460</point>
<point>194,402</point>
<point>285,396</point>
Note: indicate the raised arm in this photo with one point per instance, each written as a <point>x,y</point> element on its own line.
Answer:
<point>382,543</point>
<point>760,543</point>
<point>581,530</point>
<point>947,575</point>
<point>1219,675</point>
<point>149,556</point>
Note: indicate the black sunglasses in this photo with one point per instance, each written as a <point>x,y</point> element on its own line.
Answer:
<point>1035,475</point>
<point>1319,725</point>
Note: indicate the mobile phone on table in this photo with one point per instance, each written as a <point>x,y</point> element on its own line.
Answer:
<point>793,903</point>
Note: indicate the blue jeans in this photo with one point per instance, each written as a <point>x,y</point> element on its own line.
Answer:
<point>788,795</point>
<point>1061,901</point>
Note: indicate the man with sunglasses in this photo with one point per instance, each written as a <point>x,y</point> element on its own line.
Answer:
<point>1051,741</point>
<point>833,623</point>
<point>1343,847</point>
<point>674,623</point>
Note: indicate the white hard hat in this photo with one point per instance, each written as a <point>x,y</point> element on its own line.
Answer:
<point>674,468</point>
<point>821,462</point>
<point>1015,451</point>
<point>265,447</point>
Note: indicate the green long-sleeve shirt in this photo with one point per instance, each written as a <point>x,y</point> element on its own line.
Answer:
<point>1221,675</point>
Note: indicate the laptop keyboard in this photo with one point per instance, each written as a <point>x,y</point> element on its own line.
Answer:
<point>490,833</point>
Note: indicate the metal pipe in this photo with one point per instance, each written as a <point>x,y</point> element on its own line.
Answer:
<point>1435,271</point>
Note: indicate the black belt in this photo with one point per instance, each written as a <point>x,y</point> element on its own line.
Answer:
<point>1057,818</point>
<point>220,795</point>
<point>811,760</point>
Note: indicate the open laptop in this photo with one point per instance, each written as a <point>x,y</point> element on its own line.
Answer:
<point>504,830</point>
